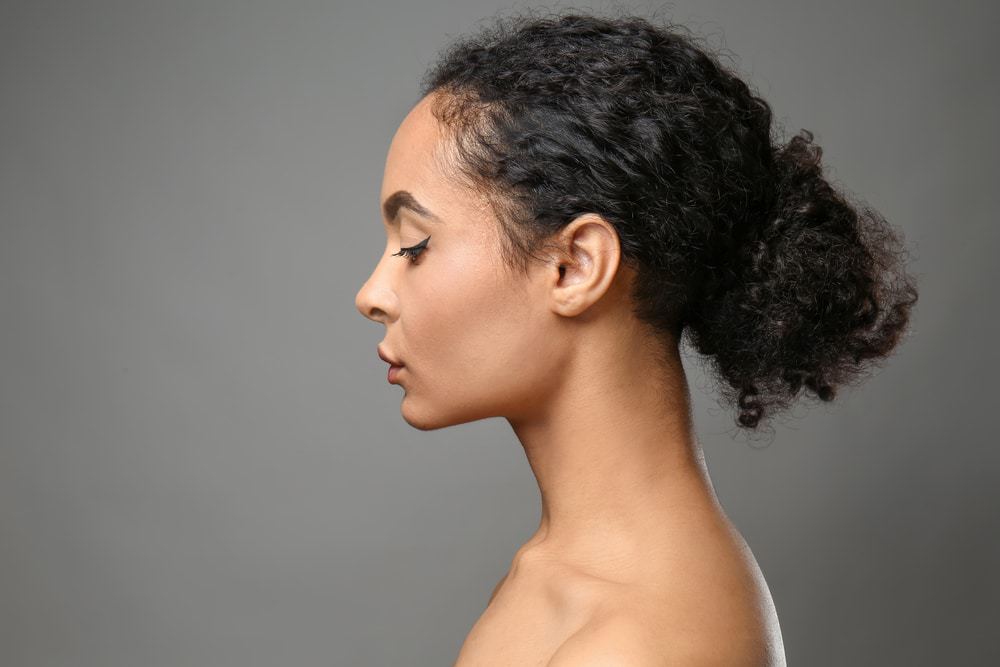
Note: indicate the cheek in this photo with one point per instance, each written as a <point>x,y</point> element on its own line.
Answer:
<point>478,335</point>
<point>452,314</point>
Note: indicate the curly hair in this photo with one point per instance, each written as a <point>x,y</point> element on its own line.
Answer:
<point>735,238</point>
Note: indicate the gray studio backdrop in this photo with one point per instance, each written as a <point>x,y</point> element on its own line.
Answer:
<point>201,462</point>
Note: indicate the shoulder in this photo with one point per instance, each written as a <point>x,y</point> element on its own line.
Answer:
<point>636,642</point>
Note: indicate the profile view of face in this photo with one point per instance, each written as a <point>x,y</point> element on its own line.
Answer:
<point>475,339</point>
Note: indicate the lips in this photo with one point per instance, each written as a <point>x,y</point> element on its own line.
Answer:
<point>389,360</point>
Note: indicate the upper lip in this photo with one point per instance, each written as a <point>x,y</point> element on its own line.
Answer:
<point>385,357</point>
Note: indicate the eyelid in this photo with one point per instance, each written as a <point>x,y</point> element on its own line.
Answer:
<point>413,250</point>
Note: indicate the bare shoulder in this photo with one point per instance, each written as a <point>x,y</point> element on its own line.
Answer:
<point>624,641</point>
<point>717,610</point>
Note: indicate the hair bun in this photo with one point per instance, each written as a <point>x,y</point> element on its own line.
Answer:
<point>821,291</point>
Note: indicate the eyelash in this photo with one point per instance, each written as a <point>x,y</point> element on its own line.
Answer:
<point>413,251</point>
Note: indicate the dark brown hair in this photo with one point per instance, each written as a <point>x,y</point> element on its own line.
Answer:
<point>737,237</point>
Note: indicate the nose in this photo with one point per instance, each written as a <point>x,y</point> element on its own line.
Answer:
<point>376,299</point>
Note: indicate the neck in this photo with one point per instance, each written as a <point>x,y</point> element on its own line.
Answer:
<point>616,460</point>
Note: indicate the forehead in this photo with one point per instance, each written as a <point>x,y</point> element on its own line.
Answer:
<point>413,161</point>
<point>420,162</point>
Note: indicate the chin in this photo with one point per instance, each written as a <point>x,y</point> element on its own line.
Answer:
<point>422,419</point>
<point>427,418</point>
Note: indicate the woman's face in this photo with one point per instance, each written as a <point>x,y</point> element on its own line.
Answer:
<point>475,340</point>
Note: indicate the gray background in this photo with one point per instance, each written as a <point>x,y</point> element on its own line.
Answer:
<point>201,462</point>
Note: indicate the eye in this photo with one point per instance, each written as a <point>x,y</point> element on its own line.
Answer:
<point>413,251</point>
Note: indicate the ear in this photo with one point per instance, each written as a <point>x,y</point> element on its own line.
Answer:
<point>586,258</point>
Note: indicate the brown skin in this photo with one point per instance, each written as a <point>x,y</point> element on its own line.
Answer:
<point>634,559</point>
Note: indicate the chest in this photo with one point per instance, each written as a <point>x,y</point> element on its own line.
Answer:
<point>520,628</point>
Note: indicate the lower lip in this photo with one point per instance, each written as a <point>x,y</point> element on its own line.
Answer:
<point>394,372</point>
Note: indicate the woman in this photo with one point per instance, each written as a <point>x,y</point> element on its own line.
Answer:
<point>569,196</point>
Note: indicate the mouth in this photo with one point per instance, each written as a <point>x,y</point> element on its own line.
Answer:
<point>395,363</point>
<point>393,375</point>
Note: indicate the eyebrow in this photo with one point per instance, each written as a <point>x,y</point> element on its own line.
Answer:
<point>402,199</point>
